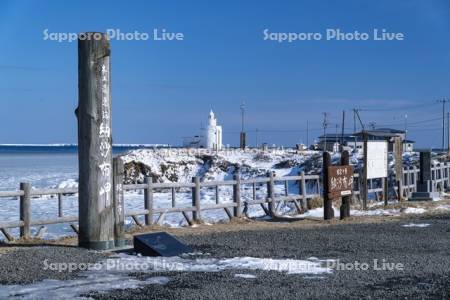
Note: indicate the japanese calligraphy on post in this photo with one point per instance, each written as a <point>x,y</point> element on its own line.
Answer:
<point>340,181</point>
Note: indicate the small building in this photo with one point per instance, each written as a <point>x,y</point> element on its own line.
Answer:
<point>193,141</point>
<point>408,146</point>
<point>333,141</point>
<point>388,134</point>
<point>354,141</point>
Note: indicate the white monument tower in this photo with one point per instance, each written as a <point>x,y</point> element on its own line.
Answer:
<point>213,133</point>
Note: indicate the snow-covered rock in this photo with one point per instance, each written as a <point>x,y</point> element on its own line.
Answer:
<point>180,165</point>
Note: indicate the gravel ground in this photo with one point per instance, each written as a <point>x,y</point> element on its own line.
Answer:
<point>424,253</point>
<point>23,265</point>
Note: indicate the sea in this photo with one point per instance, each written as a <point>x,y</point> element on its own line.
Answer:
<point>44,166</point>
<point>56,166</point>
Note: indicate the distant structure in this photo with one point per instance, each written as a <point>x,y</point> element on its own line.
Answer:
<point>355,140</point>
<point>210,138</point>
<point>213,133</point>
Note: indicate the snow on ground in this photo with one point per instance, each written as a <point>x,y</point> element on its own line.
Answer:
<point>113,274</point>
<point>318,212</point>
<point>246,276</point>
<point>180,165</point>
<point>416,225</point>
<point>443,207</point>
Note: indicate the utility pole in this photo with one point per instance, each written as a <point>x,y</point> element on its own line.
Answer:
<point>325,125</point>
<point>448,132</point>
<point>354,125</point>
<point>343,128</point>
<point>307,134</point>
<point>243,135</point>
<point>406,127</point>
<point>336,137</point>
<point>256,137</point>
<point>443,101</point>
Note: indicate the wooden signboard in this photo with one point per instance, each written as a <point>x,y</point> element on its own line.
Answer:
<point>340,181</point>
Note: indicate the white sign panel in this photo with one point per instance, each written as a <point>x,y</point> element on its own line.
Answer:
<point>377,156</point>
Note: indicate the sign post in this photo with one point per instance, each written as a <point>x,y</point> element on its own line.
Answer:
<point>328,212</point>
<point>337,183</point>
<point>346,198</point>
<point>96,214</point>
<point>398,155</point>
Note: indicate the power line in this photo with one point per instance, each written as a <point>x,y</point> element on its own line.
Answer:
<point>409,107</point>
<point>411,123</point>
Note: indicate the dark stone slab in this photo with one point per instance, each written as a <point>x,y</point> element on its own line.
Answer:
<point>159,244</point>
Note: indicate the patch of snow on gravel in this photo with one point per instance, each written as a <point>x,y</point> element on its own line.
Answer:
<point>113,274</point>
<point>246,276</point>
<point>416,225</point>
<point>414,210</point>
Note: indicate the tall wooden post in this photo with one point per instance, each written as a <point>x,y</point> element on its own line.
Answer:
<point>365,191</point>
<point>96,213</point>
<point>119,210</point>
<point>345,206</point>
<point>398,156</point>
<point>328,212</point>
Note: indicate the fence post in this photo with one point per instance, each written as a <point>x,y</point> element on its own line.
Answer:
<point>25,204</point>
<point>328,212</point>
<point>237,195</point>
<point>345,206</point>
<point>384,186</point>
<point>118,200</point>
<point>304,202</point>
<point>271,193</point>
<point>148,200</point>
<point>447,173</point>
<point>196,214</point>
<point>60,205</point>
<point>400,190</point>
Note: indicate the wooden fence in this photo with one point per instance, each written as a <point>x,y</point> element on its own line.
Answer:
<point>235,208</point>
<point>26,194</point>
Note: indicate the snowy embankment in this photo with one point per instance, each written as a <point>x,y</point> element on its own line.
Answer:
<point>180,165</point>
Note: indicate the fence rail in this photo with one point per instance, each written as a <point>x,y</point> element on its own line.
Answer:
<point>235,208</point>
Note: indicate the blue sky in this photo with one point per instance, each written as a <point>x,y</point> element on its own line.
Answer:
<point>163,90</point>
